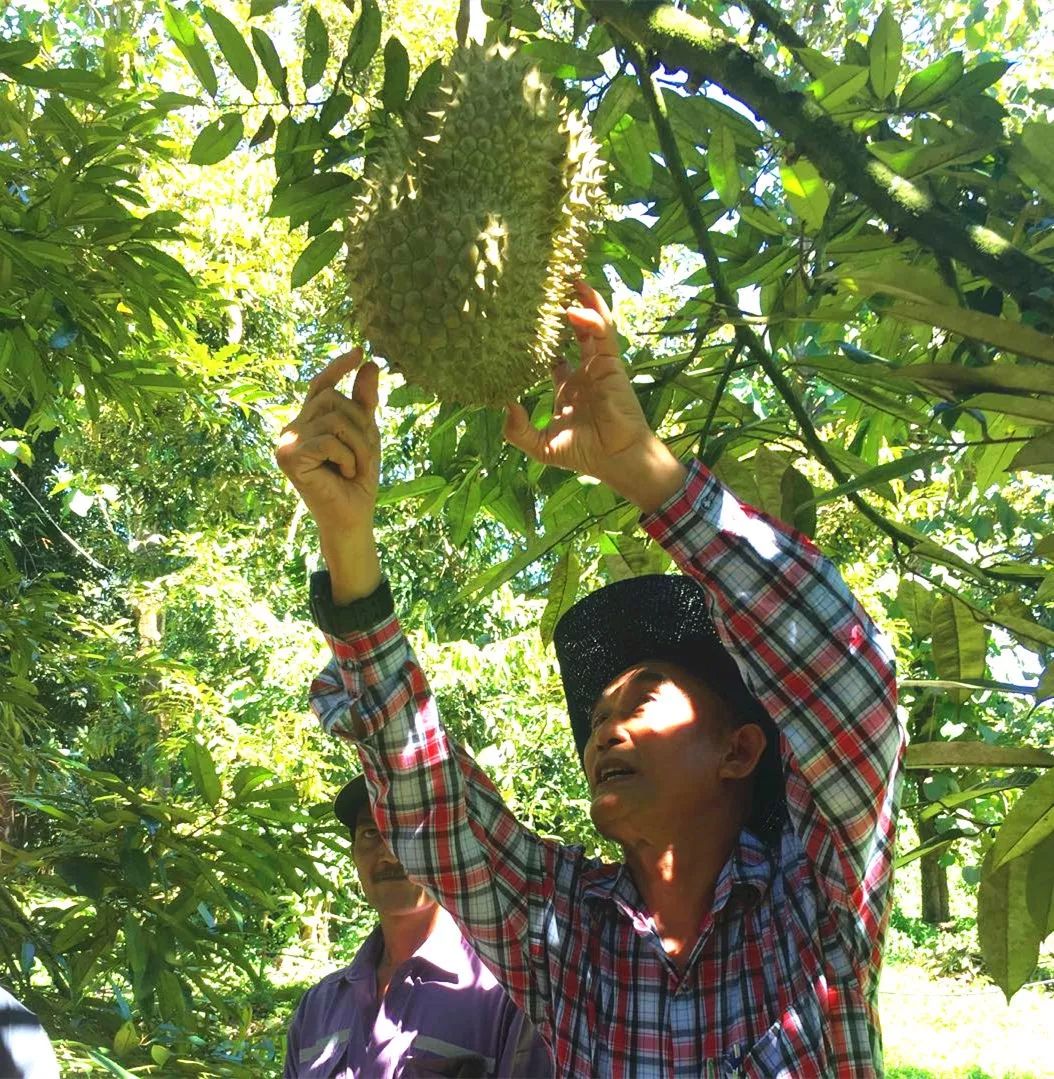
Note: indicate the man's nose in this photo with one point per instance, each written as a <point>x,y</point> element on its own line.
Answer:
<point>609,731</point>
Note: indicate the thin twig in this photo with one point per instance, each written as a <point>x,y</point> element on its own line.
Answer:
<point>58,528</point>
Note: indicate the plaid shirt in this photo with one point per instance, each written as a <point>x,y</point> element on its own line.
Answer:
<point>784,977</point>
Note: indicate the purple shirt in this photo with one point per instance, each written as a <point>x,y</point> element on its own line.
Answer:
<point>444,1014</point>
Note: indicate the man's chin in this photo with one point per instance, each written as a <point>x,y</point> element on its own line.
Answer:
<point>607,814</point>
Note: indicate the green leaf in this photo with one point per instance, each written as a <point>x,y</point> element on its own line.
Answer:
<point>233,47</point>
<point>798,507</point>
<point>111,1066</point>
<point>1035,456</point>
<point>1005,930</point>
<point>396,75</point>
<point>202,770</point>
<point>426,85</point>
<point>365,38</point>
<point>316,48</point>
<point>806,192</point>
<point>630,149</point>
<point>1029,822</point>
<point>218,139</point>
<point>971,754</point>
<point>18,52</point>
<point>259,8</point>
<point>932,83</point>
<point>420,487</point>
<point>1010,336</point>
<point>126,1039</point>
<point>461,509</point>
<point>137,952</point>
<point>563,60</point>
<point>884,49</point>
<point>137,871</point>
<point>722,165</point>
<point>1029,410</point>
<point>181,31</point>
<point>1039,890</point>
<point>910,159</point>
<point>84,875</point>
<point>839,85</point>
<point>959,643</point>
<point>263,132</point>
<point>981,77</point>
<point>264,48</point>
<point>883,473</point>
<point>563,587</point>
<point>620,94</point>
<point>315,189</point>
<point>916,601</point>
<point>317,255</point>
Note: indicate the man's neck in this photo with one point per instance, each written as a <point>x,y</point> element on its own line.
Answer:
<point>404,933</point>
<point>677,876</point>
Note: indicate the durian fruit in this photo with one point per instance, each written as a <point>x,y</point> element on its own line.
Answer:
<point>471,230</point>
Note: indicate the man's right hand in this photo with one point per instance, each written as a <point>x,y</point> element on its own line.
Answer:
<point>331,453</point>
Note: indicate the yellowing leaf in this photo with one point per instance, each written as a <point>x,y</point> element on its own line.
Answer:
<point>563,587</point>
<point>1007,934</point>
<point>838,85</point>
<point>806,192</point>
<point>722,165</point>
<point>959,643</point>
<point>1029,822</point>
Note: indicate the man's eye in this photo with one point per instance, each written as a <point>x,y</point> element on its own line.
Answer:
<point>598,718</point>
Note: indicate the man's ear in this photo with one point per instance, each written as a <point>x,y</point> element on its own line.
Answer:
<point>743,750</point>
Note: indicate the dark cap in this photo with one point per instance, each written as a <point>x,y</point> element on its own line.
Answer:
<point>350,801</point>
<point>663,617</point>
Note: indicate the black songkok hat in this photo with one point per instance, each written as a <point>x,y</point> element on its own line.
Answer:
<point>660,617</point>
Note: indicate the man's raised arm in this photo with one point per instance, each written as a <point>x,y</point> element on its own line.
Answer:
<point>437,810</point>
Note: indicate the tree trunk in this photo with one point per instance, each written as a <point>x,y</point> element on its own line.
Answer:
<point>935,909</point>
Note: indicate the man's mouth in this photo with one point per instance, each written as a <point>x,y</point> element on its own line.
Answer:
<point>611,773</point>
<point>389,874</point>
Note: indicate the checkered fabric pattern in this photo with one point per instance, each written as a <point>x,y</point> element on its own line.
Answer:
<point>783,979</point>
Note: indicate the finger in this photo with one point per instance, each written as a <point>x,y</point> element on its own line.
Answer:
<point>589,297</point>
<point>333,372</point>
<point>358,440</point>
<point>561,372</point>
<point>331,400</point>
<point>518,431</point>
<point>325,450</point>
<point>364,392</point>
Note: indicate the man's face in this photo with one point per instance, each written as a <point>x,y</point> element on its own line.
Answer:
<point>656,753</point>
<point>384,881</point>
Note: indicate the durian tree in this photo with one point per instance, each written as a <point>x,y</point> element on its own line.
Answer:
<point>829,241</point>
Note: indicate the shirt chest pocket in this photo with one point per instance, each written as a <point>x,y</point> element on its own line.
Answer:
<point>429,1057</point>
<point>792,1048</point>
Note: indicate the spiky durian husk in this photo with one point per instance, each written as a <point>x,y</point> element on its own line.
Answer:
<point>471,230</point>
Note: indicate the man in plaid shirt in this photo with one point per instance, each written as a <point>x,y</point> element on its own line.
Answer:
<point>737,726</point>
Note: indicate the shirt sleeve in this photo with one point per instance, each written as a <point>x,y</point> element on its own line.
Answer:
<point>439,812</point>
<point>292,1045</point>
<point>817,663</point>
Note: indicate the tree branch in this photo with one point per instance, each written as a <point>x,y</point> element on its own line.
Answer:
<point>746,338</point>
<point>686,43</point>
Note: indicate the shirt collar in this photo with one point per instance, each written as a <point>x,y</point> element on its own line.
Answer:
<point>747,874</point>
<point>444,953</point>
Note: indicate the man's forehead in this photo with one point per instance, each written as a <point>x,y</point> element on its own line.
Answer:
<point>364,819</point>
<point>648,673</point>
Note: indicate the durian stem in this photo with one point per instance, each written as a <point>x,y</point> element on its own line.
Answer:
<point>746,338</point>
<point>685,43</point>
